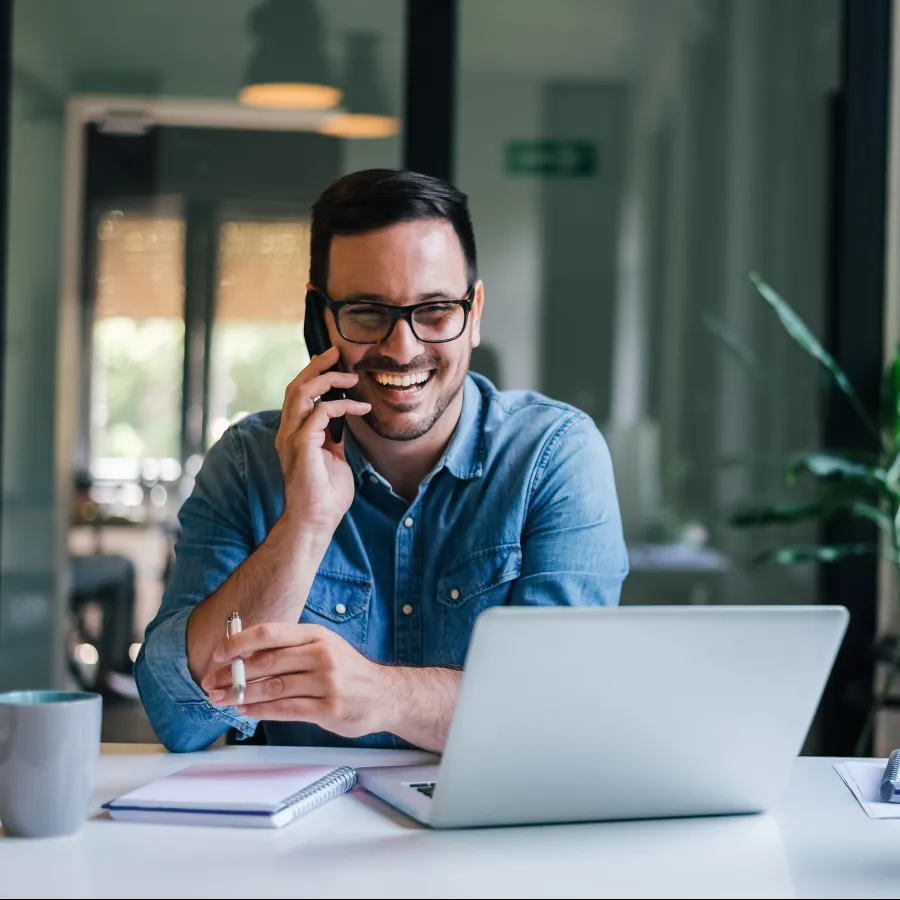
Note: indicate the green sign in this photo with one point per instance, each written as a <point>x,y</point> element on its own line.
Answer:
<point>557,159</point>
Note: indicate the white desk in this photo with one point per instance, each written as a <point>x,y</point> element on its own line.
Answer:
<point>819,843</point>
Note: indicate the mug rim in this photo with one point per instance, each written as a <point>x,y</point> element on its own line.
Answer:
<point>24,699</point>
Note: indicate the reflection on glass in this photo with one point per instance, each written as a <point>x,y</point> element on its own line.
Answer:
<point>367,112</point>
<point>628,162</point>
<point>138,342</point>
<point>257,340</point>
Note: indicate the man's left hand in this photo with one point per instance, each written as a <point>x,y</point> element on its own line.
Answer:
<point>303,673</point>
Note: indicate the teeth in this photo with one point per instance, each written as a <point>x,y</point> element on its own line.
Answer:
<point>401,380</point>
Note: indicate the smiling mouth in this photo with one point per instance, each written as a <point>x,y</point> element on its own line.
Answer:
<point>393,383</point>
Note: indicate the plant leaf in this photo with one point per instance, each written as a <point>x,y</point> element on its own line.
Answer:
<point>864,510</point>
<point>837,465</point>
<point>893,473</point>
<point>890,402</point>
<point>824,553</point>
<point>739,349</point>
<point>756,516</point>
<point>778,515</point>
<point>800,332</point>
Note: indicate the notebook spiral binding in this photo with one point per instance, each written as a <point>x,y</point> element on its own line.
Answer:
<point>338,782</point>
<point>891,773</point>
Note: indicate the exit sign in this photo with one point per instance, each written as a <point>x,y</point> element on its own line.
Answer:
<point>557,159</point>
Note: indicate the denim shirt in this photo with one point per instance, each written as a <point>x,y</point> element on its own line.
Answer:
<point>521,509</point>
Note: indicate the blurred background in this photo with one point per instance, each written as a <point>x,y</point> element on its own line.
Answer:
<point>628,163</point>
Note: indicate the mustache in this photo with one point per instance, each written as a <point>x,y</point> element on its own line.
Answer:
<point>383,364</point>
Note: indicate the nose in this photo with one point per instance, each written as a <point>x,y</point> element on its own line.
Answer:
<point>402,345</point>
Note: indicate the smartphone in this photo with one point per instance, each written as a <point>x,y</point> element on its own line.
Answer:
<point>316,335</point>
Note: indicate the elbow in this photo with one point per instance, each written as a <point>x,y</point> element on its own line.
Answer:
<point>186,730</point>
<point>182,740</point>
<point>181,727</point>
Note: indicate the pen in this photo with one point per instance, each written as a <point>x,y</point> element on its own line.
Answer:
<point>238,676</point>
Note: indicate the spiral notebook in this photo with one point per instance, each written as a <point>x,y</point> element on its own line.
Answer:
<point>250,795</point>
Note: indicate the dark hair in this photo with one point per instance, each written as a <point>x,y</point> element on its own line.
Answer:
<point>376,198</point>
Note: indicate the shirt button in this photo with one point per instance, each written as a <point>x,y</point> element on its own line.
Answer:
<point>408,522</point>
<point>407,609</point>
<point>454,594</point>
<point>340,609</point>
<point>373,479</point>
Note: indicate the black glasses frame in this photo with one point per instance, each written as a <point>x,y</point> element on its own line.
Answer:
<point>395,313</point>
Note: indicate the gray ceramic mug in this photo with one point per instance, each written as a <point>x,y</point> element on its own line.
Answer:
<point>49,745</point>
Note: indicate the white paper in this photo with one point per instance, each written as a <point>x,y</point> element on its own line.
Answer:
<point>864,779</point>
<point>221,786</point>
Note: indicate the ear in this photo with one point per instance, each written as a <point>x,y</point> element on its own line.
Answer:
<point>475,314</point>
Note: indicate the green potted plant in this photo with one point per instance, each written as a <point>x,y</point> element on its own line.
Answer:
<point>845,482</point>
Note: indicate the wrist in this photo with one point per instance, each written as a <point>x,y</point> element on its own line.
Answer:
<point>303,540</point>
<point>390,695</point>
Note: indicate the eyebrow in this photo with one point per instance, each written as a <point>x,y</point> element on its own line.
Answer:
<point>380,298</point>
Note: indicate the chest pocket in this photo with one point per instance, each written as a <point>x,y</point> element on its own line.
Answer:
<point>340,603</point>
<point>481,579</point>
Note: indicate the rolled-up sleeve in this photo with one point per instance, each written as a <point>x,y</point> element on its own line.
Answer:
<point>216,537</point>
<point>573,550</point>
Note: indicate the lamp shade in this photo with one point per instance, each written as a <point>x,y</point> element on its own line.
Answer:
<point>366,110</point>
<point>288,68</point>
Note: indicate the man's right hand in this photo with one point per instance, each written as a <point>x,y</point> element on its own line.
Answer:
<point>273,582</point>
<point>318,483</point>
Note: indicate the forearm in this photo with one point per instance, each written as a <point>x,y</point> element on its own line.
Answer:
<point>271,585</point>
<point>420,704</point>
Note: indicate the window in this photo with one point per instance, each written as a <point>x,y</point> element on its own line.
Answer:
<point>257,336</point>
<point>138,344</point>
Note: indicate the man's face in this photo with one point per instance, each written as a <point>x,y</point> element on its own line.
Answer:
<point>406,263</point>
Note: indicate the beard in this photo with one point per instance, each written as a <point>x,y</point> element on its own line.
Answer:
<point>406,426</point>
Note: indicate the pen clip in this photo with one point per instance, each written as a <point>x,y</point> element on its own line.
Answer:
<point>232,625</point>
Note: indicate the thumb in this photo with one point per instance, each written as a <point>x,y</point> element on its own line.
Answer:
<point>336,450</point>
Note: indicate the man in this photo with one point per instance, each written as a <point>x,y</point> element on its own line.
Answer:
<point>359,569</point>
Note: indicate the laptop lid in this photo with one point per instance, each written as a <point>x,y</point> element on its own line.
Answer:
<point>574,714</point>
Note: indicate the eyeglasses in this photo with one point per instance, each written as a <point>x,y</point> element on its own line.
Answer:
<point>432,322</point>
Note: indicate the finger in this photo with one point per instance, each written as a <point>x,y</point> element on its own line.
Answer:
<point>293,709</point>
<point>318,419</point>
<point>263,664</point>
<point>323,383</point>
<point>301,395</point>
<point>216,678</point>
<point>268,690</point>
<point>318,364</point>
<point>268,636</point>
<point>336,450</point>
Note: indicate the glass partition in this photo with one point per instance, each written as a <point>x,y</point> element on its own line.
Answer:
<point>158,252</point>
<point>629,162</point>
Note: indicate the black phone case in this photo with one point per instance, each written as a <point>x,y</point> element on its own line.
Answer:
<point>316,336</point>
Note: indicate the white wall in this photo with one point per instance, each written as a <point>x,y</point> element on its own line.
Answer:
<point>506,215</point>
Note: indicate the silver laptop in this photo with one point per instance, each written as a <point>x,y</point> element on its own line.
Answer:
<point>589,714</point>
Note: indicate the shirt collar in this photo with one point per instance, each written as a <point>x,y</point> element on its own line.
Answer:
<point>464,456</point>
<point>359,465</point>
